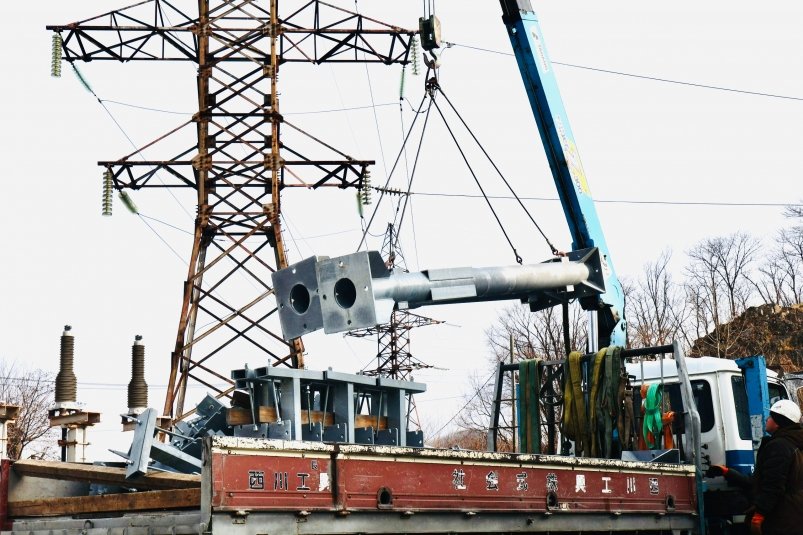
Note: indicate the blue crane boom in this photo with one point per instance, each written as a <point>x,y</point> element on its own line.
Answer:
<point>564,161</point>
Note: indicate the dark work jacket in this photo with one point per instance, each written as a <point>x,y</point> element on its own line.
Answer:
<point>777,483</point>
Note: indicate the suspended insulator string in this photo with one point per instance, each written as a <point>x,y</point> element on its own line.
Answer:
<point>476,180</point>
<point>365,190</point>
<point>401,84</point>
<point>108,188</point>
<point>509,187</point>
<point>398,157</point>
<point>415,52</point>
<point>55,65</point>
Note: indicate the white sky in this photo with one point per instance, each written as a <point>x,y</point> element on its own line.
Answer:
<point>640,140</point>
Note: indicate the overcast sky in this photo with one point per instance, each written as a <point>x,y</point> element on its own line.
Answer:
<point>642,141</point>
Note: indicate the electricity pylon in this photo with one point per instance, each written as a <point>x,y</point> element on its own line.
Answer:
<point>238,166</point>
<point>394,358</point>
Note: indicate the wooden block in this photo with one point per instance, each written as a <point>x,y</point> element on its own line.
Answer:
<point>106,475</point>
<point>366,420</point>
<point>134,501</point>
<point>242,416</point>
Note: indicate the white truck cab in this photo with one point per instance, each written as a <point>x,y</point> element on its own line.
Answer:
<point>728,434</point>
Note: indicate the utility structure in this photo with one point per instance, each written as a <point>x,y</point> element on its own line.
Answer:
<point>238,166</point>
<point>393,356</point>
<point>66,412</point>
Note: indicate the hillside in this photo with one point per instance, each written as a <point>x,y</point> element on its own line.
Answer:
<point>770,330</point>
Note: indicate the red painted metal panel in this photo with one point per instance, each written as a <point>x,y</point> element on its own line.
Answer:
<point>5,466</point>
<point>296,480</point>
<point>486,487</point>
<point>272,482</point>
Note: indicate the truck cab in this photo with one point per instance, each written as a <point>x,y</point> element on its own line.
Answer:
<point>729,435</point>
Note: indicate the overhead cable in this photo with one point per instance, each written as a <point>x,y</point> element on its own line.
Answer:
<point>612,201</point>
<point>641,76</point>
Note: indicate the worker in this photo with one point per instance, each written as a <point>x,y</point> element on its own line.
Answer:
<point>776,485</point>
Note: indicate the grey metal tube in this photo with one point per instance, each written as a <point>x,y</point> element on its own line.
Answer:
<point>478,284</point>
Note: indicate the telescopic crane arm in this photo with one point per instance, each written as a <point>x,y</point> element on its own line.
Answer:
<point>357,291</point>
<point>564,162</point>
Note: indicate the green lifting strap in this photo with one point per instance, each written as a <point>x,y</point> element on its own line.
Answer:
<point>575,423</point>
<point>652,425</point>
<point>530,406</point>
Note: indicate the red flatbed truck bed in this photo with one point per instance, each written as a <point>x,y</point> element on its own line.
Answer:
<point>256,487</point>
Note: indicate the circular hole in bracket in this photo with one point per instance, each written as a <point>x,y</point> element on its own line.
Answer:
<point>299,298</point>
<point>345,293</point>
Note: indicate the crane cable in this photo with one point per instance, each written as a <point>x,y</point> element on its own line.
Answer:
<point>554,249</point>
<point>477,181</point>
<point>384,190</point>
<point>400,216</point>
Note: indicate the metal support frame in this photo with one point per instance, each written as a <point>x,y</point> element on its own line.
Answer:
<point>74,422</point>
<point>691,415</point>
<point>337,400</point>
<point>238,47</point>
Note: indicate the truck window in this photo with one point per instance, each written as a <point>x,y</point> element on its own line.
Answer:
<point>705,406</point>
<point>776,392</point>
<point>702,398</point>
<point>740,404</point>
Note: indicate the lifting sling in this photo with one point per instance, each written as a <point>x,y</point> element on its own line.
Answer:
<point>605,428</point>
<point>575,424</point>
<point>530,406</point>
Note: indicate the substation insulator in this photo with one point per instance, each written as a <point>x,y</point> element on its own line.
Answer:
<point>55,64</point>
<point>137,388</point>
<point>66,384</point>
<point>108,188</point>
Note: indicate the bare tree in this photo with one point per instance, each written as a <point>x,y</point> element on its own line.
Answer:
<point>656,309</point>
<point>33,391</point>
<point>718,287</point>
<point>794,211</point>
<point>780,276</point>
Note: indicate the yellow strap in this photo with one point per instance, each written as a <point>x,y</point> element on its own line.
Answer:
<point>599,359</point>
<point>575,424</point>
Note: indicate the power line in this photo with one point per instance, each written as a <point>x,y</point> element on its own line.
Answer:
<point>615,201</point>
<point>641,76</point>
<point>82,384</point>
<point>477,393</point>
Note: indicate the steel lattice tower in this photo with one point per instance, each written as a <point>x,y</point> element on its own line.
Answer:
<point>238,46</point>
<point>393,356</point>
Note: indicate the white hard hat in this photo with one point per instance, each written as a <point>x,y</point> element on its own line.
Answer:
<point>788,409</point>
